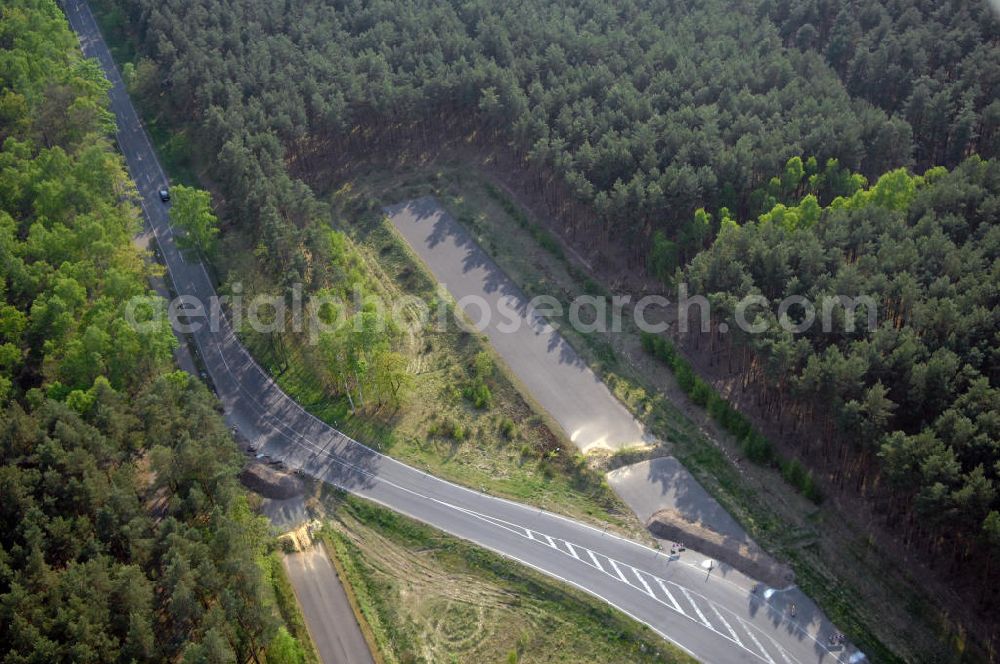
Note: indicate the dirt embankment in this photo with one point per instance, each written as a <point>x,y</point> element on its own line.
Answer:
<point>271,483</point>
<point>746,557</point>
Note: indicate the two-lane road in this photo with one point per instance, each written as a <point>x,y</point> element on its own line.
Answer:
<point>711,617</point>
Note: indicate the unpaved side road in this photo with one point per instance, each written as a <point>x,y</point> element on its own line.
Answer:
<point>327,611</point>
<point>550,369</point>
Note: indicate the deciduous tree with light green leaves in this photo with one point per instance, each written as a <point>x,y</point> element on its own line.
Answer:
<point>191,211</point>
<point>92,421</point>
<point>908,409</point>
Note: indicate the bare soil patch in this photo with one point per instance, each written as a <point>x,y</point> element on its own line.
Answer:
<point>271,483</point>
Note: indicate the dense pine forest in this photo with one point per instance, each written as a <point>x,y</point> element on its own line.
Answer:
<point>124,536</point>
<point>905,414</point>
<point>631,115</point>
<point>803,147</point>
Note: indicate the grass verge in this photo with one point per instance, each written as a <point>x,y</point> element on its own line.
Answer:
<point>507,448</point>
<point>863,590</point>
<point>431,597</point>
<point>500,443</point>
<point>288,607</point>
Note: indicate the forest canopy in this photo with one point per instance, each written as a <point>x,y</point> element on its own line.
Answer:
<point>644,111</point>
<point>124,536</point>
<point>771,147</point>
<point>917,397</point>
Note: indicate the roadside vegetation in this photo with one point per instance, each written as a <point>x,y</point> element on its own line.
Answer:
<point>438,400</point>
<point>650,142</point>
<point>445,403</point>
<point>293,639</point>
<point>124,535</point>
<point>854,577</point>
<point>429,597</point>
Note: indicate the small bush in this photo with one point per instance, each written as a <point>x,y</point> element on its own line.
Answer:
<point>483,365</point>
<point>507,428</point>
<point>648,340</point>
<point>757,448</point>
<point>701,392</point>
<point>793,472</point>
<point>811,491</point>
<point>685,377</point>
<point>479,394</point>
<point>447,428</point>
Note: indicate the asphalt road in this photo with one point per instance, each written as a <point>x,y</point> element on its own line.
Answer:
<point>336,634</point>
<point>713,617</point>
<point>534,350</point>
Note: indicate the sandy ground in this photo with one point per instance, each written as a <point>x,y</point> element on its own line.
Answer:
<point>286,514</point>
<point>650,486</point>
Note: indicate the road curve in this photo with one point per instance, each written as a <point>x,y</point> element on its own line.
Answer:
<point>711,617</point>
